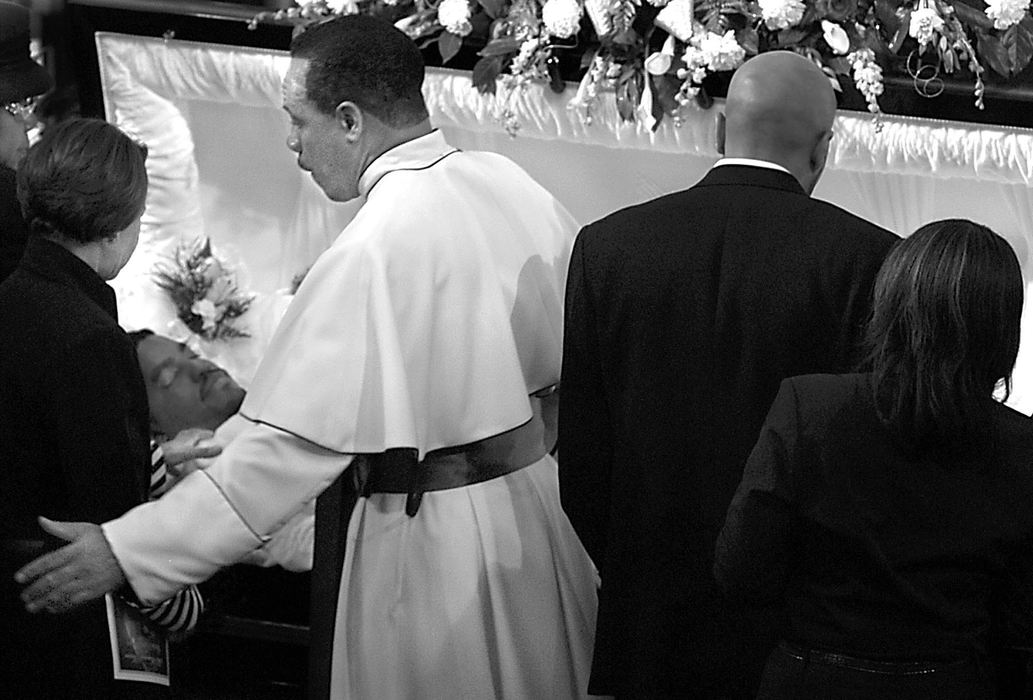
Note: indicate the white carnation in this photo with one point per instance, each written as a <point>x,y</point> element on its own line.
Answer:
<point>722,51</point>
<point>1005,13</point>
<point>925,23</point>
<point>454,16</point>
<point>562,18</point>
<point>780,14</point>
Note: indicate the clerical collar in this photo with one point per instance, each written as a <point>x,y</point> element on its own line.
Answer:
<point>418,154</point>
<point>752,162</point>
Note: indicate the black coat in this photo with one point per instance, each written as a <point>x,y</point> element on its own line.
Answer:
<point>13,232</point>
<point>73,446</point>
<point>683,316</point>
<point>878,552</point>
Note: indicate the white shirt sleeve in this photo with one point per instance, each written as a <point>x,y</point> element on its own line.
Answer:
<point>215,517</point>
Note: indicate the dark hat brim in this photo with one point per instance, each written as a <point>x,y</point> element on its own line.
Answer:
<point>23,79</point>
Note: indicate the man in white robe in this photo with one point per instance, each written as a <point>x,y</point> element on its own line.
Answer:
<point>420,351</point>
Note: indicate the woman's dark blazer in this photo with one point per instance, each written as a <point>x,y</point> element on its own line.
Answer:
<point>881,552</point>
<point>73,446</point>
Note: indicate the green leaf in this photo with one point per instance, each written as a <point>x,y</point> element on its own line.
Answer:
<point>839,65</point>
<point>449,45</point>
<point>886,15</point>
<point>658,110</point>
<point>485,71</point>
<point>629,92</point>
<point>972,17</point>
<point>665,87</point>
<point>500,47</point>
<point>791,37</point>
<point>714,23</point>
<point>749,40</point>
<point>626,37</point>
<point>901,34</point>
<point>1009,52</point>
<point>493,8</point>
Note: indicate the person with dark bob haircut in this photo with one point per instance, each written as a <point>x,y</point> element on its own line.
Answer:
<point>74,425</point>
<point>86,182</point>
<point>889,510</point>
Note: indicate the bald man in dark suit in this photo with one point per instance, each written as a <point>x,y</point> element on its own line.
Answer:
<point>683,315</point>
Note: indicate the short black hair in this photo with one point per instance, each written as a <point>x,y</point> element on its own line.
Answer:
<point>365,60</point>
<point>84,180</point>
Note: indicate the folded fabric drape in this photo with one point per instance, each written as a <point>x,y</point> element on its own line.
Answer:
<point>212,119</point>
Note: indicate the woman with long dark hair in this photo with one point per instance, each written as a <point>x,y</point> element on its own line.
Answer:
<point>890,510</point>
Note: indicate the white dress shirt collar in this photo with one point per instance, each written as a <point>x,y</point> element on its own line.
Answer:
<point>753,162</point>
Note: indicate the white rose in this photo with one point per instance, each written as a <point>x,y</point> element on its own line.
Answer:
<point>1006,13</point>
<point>835,37</point>
<point>722,51</point>
<point>454,16</point>
<point>925,22</point>
<point>562,18</point>
<point>208,312</point>
<point>781,14</point>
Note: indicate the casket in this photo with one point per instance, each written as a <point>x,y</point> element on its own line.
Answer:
<point>202,90</point>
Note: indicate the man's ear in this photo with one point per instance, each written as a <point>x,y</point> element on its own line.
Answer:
<point>719,137</point>
<point>349,117</point>
<point>820,153</point>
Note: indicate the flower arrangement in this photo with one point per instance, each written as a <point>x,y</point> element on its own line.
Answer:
<point>658,55</point>
<point>204,291</point>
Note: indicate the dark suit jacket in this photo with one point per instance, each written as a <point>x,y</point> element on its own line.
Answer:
<point>880,553</point>
<point>683,315</point>
<point>13,232</point>
<point>73,446</point>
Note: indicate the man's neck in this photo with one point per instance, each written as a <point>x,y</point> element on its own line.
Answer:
<point>396,136</point>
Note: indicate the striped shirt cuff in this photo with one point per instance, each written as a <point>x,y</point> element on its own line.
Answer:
<point>177,614</point>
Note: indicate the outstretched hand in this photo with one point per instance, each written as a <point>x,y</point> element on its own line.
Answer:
<point>77,573</point>
<point>189,445</point>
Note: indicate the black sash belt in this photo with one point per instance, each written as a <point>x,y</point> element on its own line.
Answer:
<point>396,471</point>
<point>889,668</point>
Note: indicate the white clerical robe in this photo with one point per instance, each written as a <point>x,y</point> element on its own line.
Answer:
<point>427,324</point>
